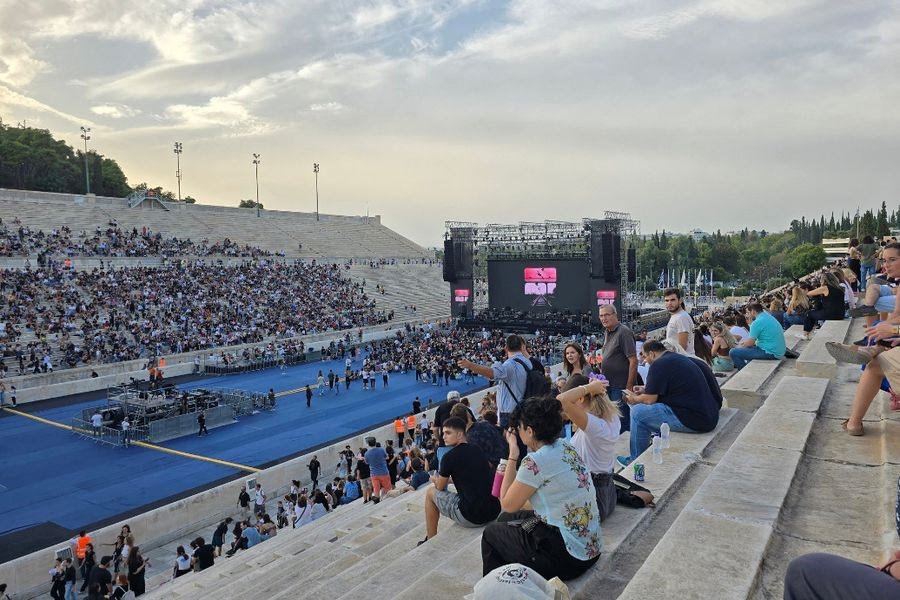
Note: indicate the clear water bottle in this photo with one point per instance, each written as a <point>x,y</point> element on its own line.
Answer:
<point>664,434</point>
<point>657,450</point>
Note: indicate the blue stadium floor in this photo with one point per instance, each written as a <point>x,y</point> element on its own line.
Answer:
<point>48,474</point>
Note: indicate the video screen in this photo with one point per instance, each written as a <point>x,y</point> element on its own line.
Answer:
<point>540,285</point>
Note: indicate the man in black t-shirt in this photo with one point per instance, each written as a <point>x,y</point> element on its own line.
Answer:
<point>204,554</point>
<point>363,475</point>
<point>678,392</point>
<point>442,413</point>
<point>314,467</point>
<point>472,505</point>
<point>100,575</point>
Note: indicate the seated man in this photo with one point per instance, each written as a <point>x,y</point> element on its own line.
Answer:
<point>472,505</point>
<point>766,339</point>
<point>678,392</point>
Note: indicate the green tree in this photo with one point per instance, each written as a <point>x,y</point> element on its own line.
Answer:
<point>805,258</point>
<point>249,204</point>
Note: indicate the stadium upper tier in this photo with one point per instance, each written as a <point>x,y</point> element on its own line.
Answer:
<point>293,233</point>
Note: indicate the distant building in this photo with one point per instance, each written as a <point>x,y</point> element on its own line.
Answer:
<point>698,234</point>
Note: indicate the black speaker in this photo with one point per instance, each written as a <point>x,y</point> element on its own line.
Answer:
<point>632,265</point>
<point>609,244</point>
<point>449,261</point>
<point>463,259</point>
<point>596,255</point>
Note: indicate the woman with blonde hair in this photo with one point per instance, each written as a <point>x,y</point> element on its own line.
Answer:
<point>797,307</point>
<point>723,342</point>
<point>596,424</point>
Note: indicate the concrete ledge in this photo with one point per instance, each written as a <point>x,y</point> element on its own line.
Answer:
<point>685,450</point>
<point>744,390</point>
<point>740,500</point>
<point>815,361</point>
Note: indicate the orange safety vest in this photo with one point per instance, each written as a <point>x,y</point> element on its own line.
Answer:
<point>398,426</point>
<point>411,422</point>
<point>81,545</point>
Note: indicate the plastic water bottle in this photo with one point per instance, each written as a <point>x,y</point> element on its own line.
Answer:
<point>657,450</point>
<point>498,478</point>
<point>664,434</point>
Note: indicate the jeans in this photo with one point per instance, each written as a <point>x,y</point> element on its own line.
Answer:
<point>794,319</point>
<point>70,591</point>
<point>615,394</point>
<point>647,418</point>
<point>740,356</point>
<point>867,271</point>
<point>827,577</point>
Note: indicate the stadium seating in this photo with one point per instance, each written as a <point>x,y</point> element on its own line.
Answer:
<point>332,236</point>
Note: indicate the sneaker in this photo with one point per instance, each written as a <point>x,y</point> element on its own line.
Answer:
<point>848,354</point>
<point>863,311</point>
<point>422,542</point>
<point>623,461</point>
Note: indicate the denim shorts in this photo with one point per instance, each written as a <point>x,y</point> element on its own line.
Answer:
<point>448,505</point>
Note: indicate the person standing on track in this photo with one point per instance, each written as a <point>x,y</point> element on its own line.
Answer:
<point>309,395</point>
<point>201,421</point>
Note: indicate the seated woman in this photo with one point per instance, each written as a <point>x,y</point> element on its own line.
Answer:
<point>776,309</point>
<point>596,420</point>
<point>797,307</point>
<point>561,537</point>
<point>723,342</point>
<point>832,295</point>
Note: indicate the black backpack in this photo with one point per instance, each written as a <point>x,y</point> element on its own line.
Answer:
<point>536,383</point>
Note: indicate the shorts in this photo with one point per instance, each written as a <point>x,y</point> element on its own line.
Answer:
<point>448,505</point>
<point>381,481</point>
<point>889,361</point>
<point>366,485</point>
<point>887,301</point>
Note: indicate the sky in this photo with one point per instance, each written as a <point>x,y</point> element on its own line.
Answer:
<point>711,114</point>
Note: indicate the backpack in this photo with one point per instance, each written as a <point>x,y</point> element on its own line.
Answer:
<point>535,382</point>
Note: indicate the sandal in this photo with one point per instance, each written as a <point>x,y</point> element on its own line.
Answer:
<point>848,354</point>
<point>851,430</point>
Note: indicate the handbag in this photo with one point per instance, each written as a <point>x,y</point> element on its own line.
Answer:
<point>631,494</point>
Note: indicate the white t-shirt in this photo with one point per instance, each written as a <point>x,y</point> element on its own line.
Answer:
<point>596,444</point>
<point>184,562</point>
<point>96,420</point>
<point>681,322</point>
<point>738,332</point>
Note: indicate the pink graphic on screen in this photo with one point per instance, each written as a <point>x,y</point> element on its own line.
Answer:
<point>540,281</point>
<point>605,297</point>
<point>461,295</point>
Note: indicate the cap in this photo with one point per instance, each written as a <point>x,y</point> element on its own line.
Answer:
<point>513,581</point>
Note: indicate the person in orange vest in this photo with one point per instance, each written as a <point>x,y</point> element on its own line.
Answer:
<point>411,426</point>
<point>400,428</point>
<point>81,543</point>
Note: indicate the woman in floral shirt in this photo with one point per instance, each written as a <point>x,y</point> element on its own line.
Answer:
<point>561,537</point>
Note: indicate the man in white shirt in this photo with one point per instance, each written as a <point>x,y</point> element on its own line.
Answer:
<point>680,329</point>
<point>97,422</point>
<point>126,427</point>
<point>259,504</point>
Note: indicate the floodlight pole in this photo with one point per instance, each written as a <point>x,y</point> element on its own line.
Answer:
<point>256,162</point>
<point>178,150</point>
<point>85,135</point>
<point>316,171</point>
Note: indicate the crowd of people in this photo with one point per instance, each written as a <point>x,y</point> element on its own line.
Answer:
<point>112,240</point>
<point>112,315</point>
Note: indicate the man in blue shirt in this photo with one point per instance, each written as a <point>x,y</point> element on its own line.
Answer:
<point>376,458</point>
<point>510,376</point>
<point>766,339</point>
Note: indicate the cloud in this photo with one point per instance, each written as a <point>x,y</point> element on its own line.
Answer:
<point>115,111</point>
<point>18,65</point>
<point>332,107</point>
<point>12,98</point>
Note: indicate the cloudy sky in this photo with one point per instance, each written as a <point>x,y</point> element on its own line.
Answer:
<point>695,113</point>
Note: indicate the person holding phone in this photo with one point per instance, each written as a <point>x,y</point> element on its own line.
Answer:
<point>561,537</point>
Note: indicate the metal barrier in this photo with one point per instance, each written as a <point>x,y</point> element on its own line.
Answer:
<point>181,425</point>
<point>102,434</point>
<point>246,366</point>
